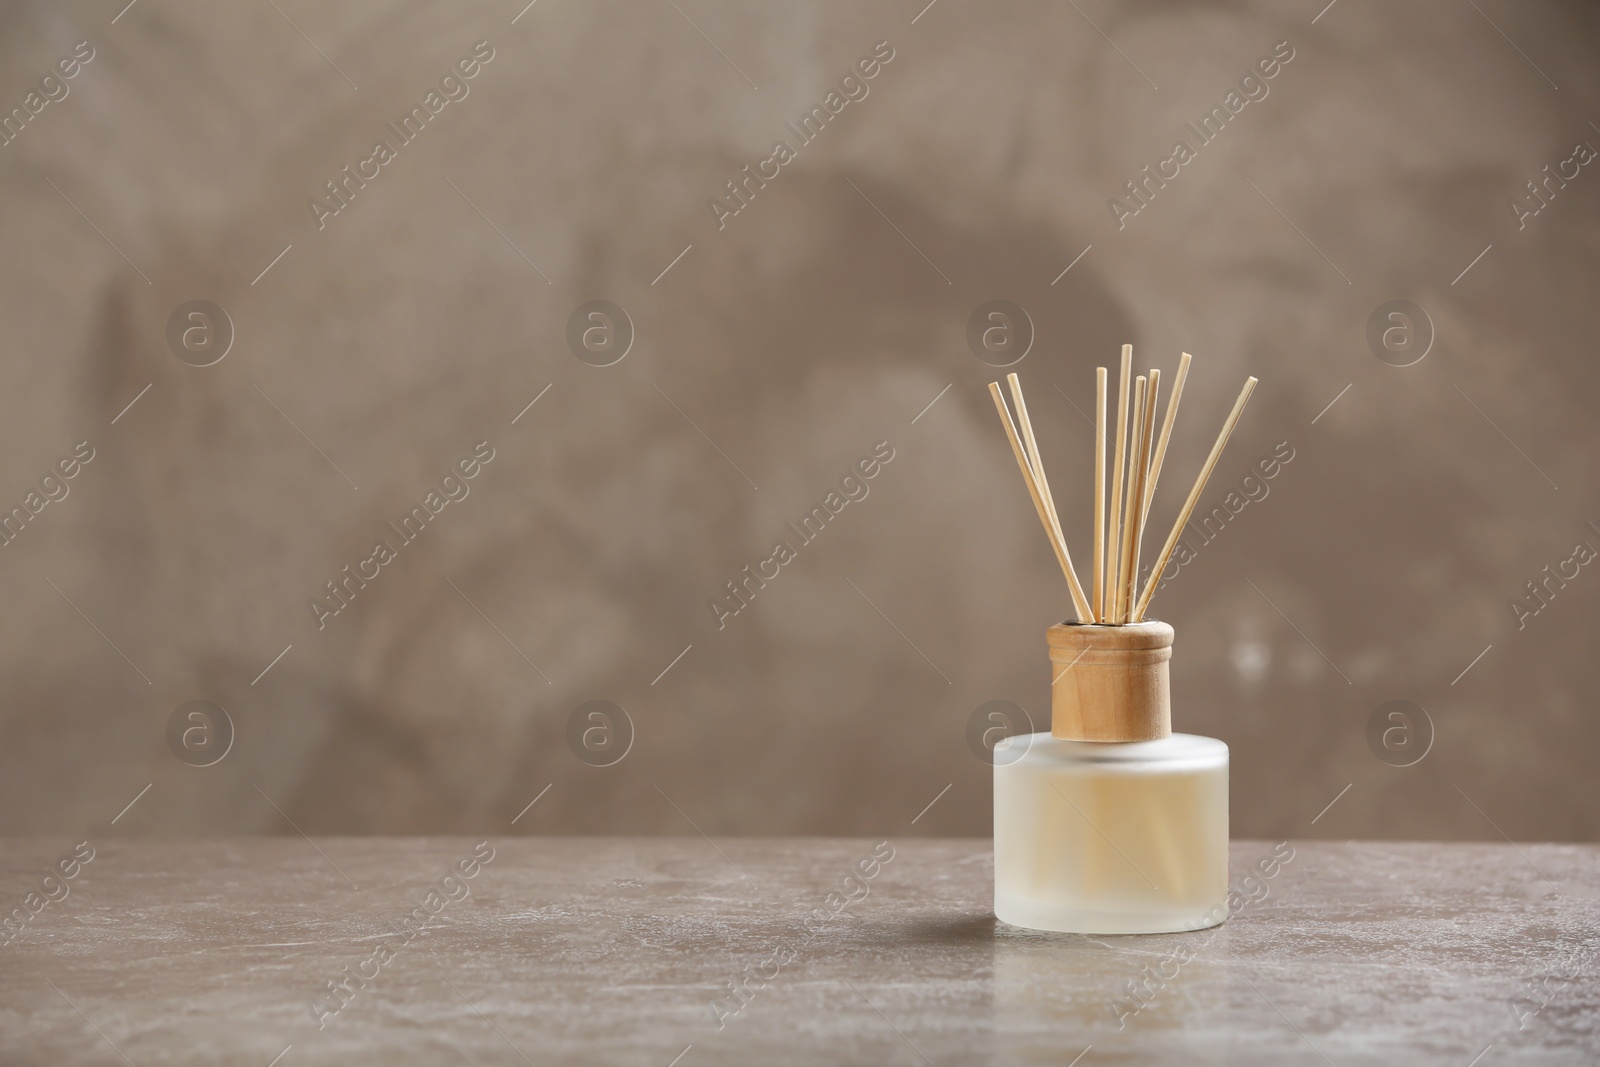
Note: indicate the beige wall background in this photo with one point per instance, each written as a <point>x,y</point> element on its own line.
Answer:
<point>771,356</point>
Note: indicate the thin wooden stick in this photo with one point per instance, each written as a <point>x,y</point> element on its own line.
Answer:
<point>1100,494</point>
<point>1038,503</point>
<point>1130,505</point>
<point>1194,497</point>
<point>1080,603</point>
<point>1152,393</point>
<point>1147,424</point>
<point>1166,431</point>
<point>1114,501</point>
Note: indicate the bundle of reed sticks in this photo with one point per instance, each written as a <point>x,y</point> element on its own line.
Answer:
<point>1114,598</point>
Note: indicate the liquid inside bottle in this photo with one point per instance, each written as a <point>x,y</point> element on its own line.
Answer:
<point>1111,837</point>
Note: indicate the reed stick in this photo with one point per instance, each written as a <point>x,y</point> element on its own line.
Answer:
<point>1056,542</point>
<point>1152,392</point>
<point>1099,494</point>
<point>1147,423</point>
<point>1166,430</point>
<point>1114,499</point>
<point>1130,505</point>
<point>1080,603</point>
<point>1194,497</point>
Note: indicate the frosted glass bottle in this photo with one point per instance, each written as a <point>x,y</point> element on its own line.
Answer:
<point>1111,823</point>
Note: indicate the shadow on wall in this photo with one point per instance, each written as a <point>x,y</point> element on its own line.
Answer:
<point>793,311</point>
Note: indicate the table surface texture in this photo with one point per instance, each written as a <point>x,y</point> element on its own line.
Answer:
<point>683,951</point>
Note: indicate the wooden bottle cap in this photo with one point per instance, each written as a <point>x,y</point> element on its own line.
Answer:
<point>1110,682</point>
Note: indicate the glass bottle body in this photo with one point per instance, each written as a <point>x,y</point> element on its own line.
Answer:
<point>1111,837</point>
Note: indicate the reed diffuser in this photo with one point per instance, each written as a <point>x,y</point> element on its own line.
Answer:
<point>1111,823</point>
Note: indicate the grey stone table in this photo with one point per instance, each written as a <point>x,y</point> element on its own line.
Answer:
<point>682,951</point>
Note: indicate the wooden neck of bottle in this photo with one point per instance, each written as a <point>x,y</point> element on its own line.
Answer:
<point>1110,683</point>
